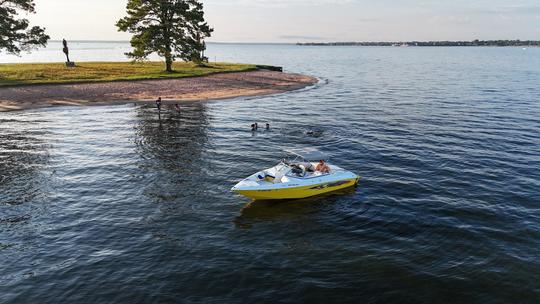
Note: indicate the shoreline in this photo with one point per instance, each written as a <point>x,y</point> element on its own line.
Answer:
<point>201,88</point>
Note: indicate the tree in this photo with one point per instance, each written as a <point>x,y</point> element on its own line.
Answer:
<point>15,36</point>
<point>171,28</point>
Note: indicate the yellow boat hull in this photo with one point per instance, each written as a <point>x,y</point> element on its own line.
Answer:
<point>298,192</point>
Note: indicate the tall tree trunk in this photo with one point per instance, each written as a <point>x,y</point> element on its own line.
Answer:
<point>166,21</point>
<point>168,63</point>
<point>168,53</point>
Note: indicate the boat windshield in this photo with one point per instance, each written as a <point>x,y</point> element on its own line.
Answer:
<point>306,154</point>
<point>302,163</point>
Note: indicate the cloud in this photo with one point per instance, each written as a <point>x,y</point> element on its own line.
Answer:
<point>450,19</point>
<point>300,37</point>
<point>367,20</point>
<point>515,9</point>
<point>281,3</point>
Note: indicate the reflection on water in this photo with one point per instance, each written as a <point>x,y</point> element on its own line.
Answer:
<point>25,178</point>
<point>115,204</point>
<point>171,146</point>
<point>263,210</point>
<point>23,156</point>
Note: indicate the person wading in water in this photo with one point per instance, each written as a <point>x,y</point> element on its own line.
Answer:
<point>158,103</point>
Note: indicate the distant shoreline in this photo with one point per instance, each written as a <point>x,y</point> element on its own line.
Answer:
<point>474,43</point>
<point>356,43</point>
<point>211,87</point>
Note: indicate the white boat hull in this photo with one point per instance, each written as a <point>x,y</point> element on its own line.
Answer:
<point>295,187</point>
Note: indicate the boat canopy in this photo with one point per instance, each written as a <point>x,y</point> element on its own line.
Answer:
<point>309,154</point>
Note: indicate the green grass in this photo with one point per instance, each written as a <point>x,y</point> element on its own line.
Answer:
<point>55,73</point>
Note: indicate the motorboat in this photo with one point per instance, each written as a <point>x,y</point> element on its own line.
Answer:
<point>296,177</point>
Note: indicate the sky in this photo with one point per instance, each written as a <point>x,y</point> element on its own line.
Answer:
<point>314,20</point>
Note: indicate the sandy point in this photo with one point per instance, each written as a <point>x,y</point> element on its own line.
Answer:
<point>212,87</point>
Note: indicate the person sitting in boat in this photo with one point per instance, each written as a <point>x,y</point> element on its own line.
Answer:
<point>307,166</point>
<point>322,167</point>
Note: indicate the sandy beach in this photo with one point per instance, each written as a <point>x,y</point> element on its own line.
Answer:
<point>217,86</point>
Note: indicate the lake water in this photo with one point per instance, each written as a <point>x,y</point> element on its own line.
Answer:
<point>110,204</point>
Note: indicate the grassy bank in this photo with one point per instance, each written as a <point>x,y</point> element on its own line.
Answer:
<point>53,73</point>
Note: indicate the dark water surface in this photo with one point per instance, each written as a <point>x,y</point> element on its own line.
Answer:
<point>112,205</point>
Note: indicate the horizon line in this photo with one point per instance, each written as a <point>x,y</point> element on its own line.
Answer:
<point>334,41</point>
<point>127,41</point>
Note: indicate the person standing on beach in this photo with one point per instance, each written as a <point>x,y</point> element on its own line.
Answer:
<point>158,103</point>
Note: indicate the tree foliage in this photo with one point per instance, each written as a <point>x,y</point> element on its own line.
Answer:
<point>15,34</point>
<point>174,29</point>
